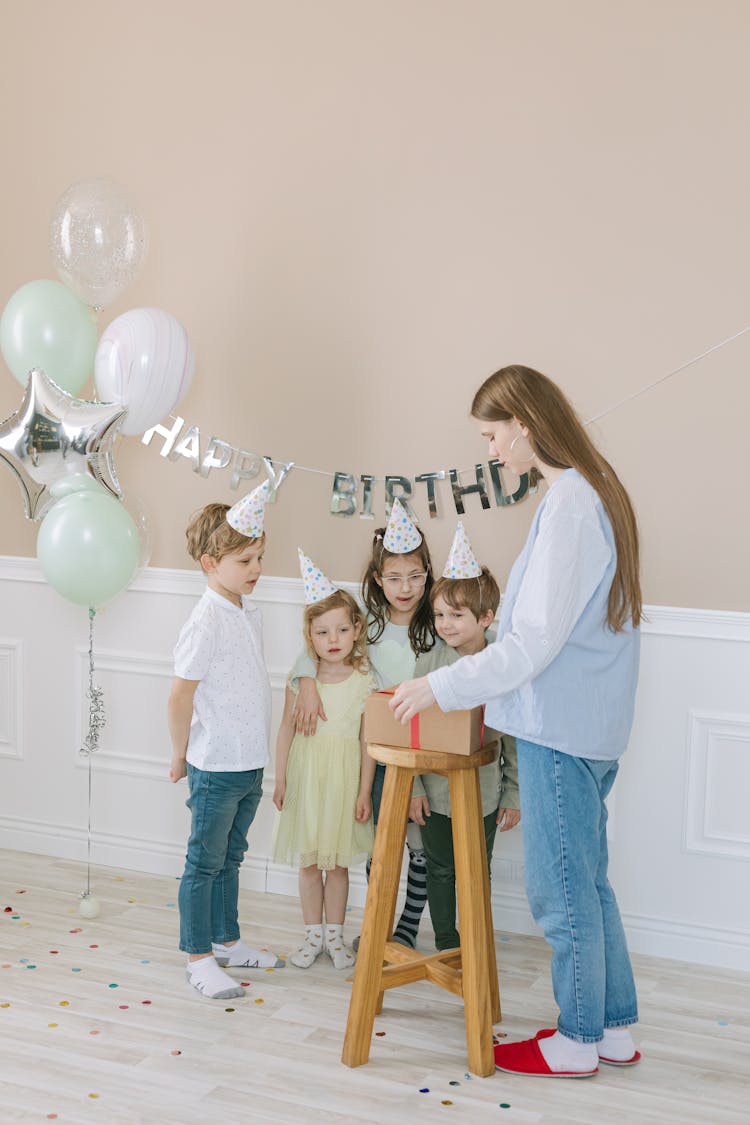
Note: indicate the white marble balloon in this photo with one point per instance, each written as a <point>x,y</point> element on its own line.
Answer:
<point>144,361</point>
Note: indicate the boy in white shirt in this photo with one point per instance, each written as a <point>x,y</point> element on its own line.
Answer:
<point>219,721</point>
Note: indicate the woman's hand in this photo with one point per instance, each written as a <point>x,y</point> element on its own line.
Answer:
<point>308,708</point>
<point>508,818</point>
<point>411,697</point>
<point>279,794</point>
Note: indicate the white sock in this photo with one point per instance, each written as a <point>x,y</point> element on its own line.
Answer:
<point>311,947</point>
<point>561,1053</point>
<point>617,1044</point>
<point>206,977</point>
<point>241,956</point>
<point>341,955</point>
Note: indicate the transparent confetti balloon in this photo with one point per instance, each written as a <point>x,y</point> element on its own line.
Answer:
<point>98,240</point>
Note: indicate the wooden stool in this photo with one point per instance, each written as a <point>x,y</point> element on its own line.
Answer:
<point>469,971</point>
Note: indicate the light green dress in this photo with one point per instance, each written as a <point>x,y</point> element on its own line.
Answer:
<point>317,825</point>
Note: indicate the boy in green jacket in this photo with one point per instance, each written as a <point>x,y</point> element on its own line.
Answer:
<point>464,609</point>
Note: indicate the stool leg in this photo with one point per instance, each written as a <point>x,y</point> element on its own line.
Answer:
<point>380,906</point>
<point>471,857</point>
<point>492,976</point>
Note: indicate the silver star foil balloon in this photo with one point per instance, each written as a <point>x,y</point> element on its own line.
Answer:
<point>52,435</point>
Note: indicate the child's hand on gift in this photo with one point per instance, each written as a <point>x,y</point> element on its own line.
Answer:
<point>363,811</point>
<point>507,818</point>
<point>279,794</point>
<point>419,809</point>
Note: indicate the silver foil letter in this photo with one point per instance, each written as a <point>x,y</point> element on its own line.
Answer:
<point>403,483</point>
<point>343,497</point>
<point>217,456</point>
<point>429,479</point>
<point>367,483</point>
<point>170,435</point>
<point>459,491</point>
<point>276,479</point>
<point>246,466</point>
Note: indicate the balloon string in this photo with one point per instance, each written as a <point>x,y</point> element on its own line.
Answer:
<point>97,720</point>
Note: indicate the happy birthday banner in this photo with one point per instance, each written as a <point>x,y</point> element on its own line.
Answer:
<point>346,499</point>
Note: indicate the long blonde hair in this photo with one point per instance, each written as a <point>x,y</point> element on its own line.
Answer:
<point>560,440</point>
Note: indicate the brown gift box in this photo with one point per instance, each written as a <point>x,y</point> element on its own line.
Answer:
<point>452,732</point>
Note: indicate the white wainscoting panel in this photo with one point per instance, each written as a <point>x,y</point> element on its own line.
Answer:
<point>11,698</point>
<point>679,843</point>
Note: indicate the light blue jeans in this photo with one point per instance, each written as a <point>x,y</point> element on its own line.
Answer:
<point>223,806</point>
<point>564,820</point>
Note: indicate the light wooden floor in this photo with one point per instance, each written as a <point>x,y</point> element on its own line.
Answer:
<point>99,1025</point>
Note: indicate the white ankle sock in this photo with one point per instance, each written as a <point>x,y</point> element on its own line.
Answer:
<point>341,955</point>
<point>206,977</point>
<point>617,1044</point>
<point>241,956</point>
<point>561,1053</point>
<point>311,947</point>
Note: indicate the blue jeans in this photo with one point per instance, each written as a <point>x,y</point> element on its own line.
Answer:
<point>564,821</point>
<point>223,806</point>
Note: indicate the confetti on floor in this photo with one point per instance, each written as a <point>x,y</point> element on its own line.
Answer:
<point>425,1090</point>
<point>175,1052</point>
<point>504,1105</point>
<point>446,1102</point>
<point>229,1009</point>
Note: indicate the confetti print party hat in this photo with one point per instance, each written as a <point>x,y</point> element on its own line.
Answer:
<point>246,516</point>
<point>461,562</point>
<point>401,536</point>
<point>317,586</point>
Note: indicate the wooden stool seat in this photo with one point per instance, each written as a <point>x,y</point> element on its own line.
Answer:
<point>469,971</point>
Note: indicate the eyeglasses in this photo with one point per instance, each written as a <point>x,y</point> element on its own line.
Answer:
<point>393,581</point>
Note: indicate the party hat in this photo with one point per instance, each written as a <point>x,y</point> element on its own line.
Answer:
<point>461,562</point>
<point>247,514</point>
<point>317,586</point>
<point>401,536</point>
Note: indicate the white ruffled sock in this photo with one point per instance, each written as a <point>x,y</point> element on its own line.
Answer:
<point>207,978</point>
<point>561,1053</point>
<point>241,956</point>
<point>617,1044</point>
<point>341,955</point>
<point>311,947</point>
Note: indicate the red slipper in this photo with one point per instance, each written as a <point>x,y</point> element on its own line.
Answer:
<point>634,1058</point>
<point>526,1058</point>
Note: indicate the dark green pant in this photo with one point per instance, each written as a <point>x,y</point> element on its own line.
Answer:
<point>437,840</point>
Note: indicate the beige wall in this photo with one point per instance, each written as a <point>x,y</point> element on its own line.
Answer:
<point>360,209</point>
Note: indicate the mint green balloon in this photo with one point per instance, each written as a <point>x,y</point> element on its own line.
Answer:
<point>45,325</point>
<point>76,482</point>
<point>88,547</point>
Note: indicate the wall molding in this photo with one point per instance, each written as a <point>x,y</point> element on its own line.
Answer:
<point>706,732</point>
<point>11,724</point>
<point>663,621</point>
